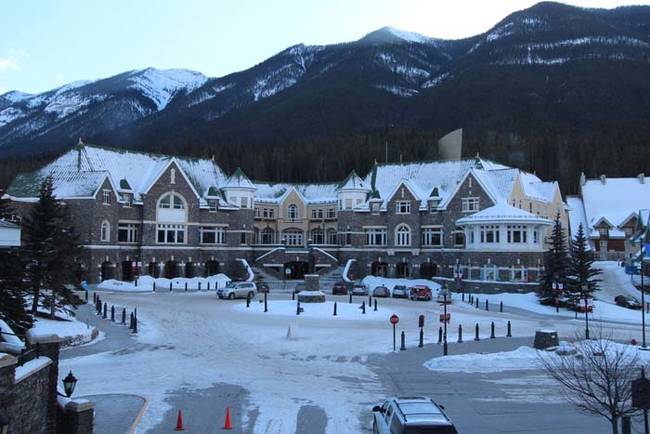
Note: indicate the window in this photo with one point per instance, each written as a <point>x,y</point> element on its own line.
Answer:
<point>242,238</point>
<point>105,232</point>
<point>348,203</point>
<point>489,272</point>
<point>317,236</point>
<point>530,207</point>
<point>519,274</point>
<point>604,232</point>
<point>243,202</point>
<point>432,237</point>
<point>459,237</point>
<point>293,237</point>
<point>127,233</point>
<point>403,207</point>
<point>331,213</point>
<point>258,212</point>
<point>268,236</point>
<point>269,213</point>
<point>212,205</point>
<point>213,235</point>
<point>128,200</point>
<point>374,207</point>
<point>106,197</point>
<point>171,201</point>
<point>375,236</point>
<point>516,234</point>
<point>536,236</point>
<point>171,234</point>
<point>469,204</point>
<point>331,236</point>
<point>292,212</point>
<point>316,213</point>
<point>402,236</point>
<point>490,234</point>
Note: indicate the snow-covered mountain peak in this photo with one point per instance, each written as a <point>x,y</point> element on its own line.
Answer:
<point>160,85</point>
<point>392,35</point>
<point>15,96</point>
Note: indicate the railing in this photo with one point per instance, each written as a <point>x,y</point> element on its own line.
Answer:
<point>29,355</point>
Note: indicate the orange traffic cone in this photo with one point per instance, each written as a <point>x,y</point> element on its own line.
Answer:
<point>228,423</point>
<point>179,421</point>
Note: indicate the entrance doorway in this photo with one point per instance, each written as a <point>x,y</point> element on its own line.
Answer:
<point>379,269</point>
<point>127,271</point>
<point>211,267</point>
<point>428,270</point>
<point>296,269</point>
<point>403,270</point>
<point>108,271</point>
<point>171,269</point>
<point>189,270</point>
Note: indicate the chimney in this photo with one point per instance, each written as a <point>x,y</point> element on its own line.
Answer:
<point>603,179</point>
<point>583,179</point>
<point>641,177</point>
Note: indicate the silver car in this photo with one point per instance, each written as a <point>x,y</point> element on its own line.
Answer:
<point>359,290</point>
<point>237,290</point>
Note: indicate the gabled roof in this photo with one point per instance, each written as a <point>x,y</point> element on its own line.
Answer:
<point>576,215</point>
<point>502,212</point>
<point>310,193</point>
<point>239,180</point>
<point>354,182</point>
<point>409,186</point>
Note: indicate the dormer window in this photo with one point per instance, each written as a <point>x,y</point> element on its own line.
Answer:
<point>374,208</point>
<point>212,205</point>
<point>292,212</point>
<point>171,201</point>
<point>470,204</point>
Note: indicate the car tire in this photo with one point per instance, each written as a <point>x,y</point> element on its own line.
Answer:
<point>231,296</point>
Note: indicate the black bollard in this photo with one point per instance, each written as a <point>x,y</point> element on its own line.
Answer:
<point>135,312</point>
<point>460,333</point>
<point>135,324</point>
<point>266,305</point>
<point>298,308</point>
<point>248,301</point>
<point>94,298</point>
<point>105,310</point>
<point>403,347</point>
<point>136,282</point>
<point>123,315</point>
<point>113,313</point>
<point>293,295</point>
<point>369,300</point>
<point>131,321</point>
<point>154,286</point>
<point>509,334</point>
<point>492,336</point>
<point>208,285</point>
<point>170,286</point>
<point>334,308</point>
<point>363,307</point>
<point>476,337</point>
<point>501,306</point>
<point>199,286</point>
<point>477,302</point>
<point>462,296</point>
<point>421,344</point>
<point>86,294</point>
<point>439,335</point>
<point>350,297</point>
<point>487,306</point>
<point>375,305</point>
<point>185,286</point>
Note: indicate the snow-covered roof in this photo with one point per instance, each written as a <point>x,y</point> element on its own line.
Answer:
<point>614,200</point>
<point>354,182</point>
<point>502,212</point>
<point>537,189</point>
<point>239,180</point>
<point>81,171</point>
<point>310,193</point>
<point>8,225</point>
<point>576,215</point>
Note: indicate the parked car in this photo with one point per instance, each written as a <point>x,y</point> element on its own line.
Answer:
<point>359,290</point>
<point>381,291</point>
<point>237,290</point>
<point>339,288</point>
<point>420,292</point>
<point>263,288</point>
<point>412,415</point>
<point>578,304</point>
<point>628,302</point>
<point>401,291</point>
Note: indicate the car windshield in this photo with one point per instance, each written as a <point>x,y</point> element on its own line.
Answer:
<point>231,284</point>
<point>429,430</point>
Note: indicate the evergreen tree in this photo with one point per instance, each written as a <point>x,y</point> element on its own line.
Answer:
<point>582,261</point>
<point>12,273</point>
<point>51,248</point>
<point>556,261</point>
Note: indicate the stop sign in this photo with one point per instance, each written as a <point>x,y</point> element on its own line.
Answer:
<point>394,319</point>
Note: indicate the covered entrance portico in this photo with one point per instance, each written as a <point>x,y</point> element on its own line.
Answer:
<point>296,269</point>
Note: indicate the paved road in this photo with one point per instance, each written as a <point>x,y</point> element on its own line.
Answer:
<point>506,402</point>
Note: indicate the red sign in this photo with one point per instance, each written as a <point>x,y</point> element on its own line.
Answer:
<point>394,319</point>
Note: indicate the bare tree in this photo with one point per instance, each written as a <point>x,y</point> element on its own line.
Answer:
<point>598,378</point>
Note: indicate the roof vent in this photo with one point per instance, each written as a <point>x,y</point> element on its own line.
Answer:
<point>641,177</point>
<point>583,179</point>
<point>603,179</point>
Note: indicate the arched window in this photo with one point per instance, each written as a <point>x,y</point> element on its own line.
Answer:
<point>402,235</point>
<point>331,237</point>
<point>317,236</point>
<point>292,212</point>
<point>268,236</point>
<point>293,237</point>
<point>171,201</point>
<point>105,231</point>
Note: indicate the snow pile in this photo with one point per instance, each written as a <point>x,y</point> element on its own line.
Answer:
<point>344,311</point>
<point>372,282</point>
<point>145,283</point>
<point>72,331</point>
<point>520,359</point>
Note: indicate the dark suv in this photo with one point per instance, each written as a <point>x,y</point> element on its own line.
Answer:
<point>339,288</point>
<point>411,415</point>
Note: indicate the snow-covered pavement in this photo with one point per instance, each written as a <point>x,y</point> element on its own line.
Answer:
<point>192,341</point>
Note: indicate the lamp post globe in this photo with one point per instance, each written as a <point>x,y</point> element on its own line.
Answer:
<point>69,383</point>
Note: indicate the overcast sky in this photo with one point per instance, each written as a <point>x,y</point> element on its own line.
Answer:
<point>44,44</point>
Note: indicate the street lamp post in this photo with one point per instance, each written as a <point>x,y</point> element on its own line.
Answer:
<point>69,383</point>
<point>642,295</point>
<point>585,293</point>
<point>445,294</point>
<point>557,290</point>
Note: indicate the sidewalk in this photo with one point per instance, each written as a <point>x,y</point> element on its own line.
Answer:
<point>116,414</point>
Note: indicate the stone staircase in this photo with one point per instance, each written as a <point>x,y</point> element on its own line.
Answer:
<point>327,280</point>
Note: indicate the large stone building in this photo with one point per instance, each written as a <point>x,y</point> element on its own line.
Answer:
<point>141,213</point>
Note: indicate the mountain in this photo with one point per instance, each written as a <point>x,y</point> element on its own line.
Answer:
<point>552,88</point>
